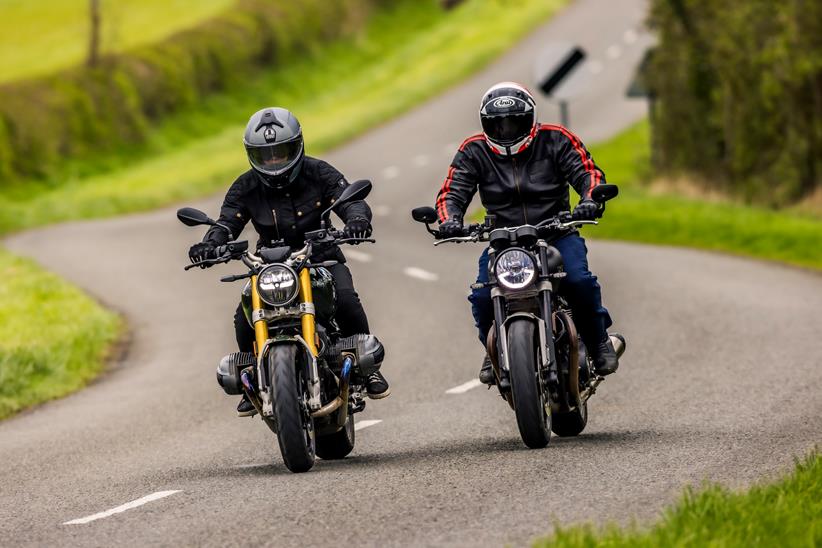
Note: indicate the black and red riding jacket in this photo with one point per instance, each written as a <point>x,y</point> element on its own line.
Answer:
<point>525,188</point>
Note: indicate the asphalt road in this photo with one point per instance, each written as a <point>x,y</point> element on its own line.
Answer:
<point>720,382</point>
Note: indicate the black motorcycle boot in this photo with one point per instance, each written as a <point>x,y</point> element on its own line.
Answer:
<point>605,358</point>
<point>486,374</point>
<point>246,408</point>
<point>377,386</point>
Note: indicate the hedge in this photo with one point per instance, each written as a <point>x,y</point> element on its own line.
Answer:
<point>84,110</point>
<point>739,94</point>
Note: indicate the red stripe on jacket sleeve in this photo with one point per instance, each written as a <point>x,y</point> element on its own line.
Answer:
<point>442,206</point>
<point>587,162</point>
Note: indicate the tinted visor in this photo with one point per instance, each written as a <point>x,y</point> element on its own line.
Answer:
<point>273,159</point>
<point>507,129</point>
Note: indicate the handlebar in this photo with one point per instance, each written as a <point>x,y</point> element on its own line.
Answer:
<point>480,232</point>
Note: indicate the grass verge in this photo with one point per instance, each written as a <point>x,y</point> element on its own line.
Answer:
<point>786,513</point>
<point>38,364</point>
<point>39,37</point>
<point>407,53</point>
<point>670,219</point>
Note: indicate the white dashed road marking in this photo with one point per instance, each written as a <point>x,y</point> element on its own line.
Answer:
<point>595,67</point>
<point>359,425</point>
<point>358,256</point>
<point>382,211</point>
<point>613,52</point>
<point>391,172</point>
<point>464,387</point>
<point>422,160</point>
<point>127,506</point>
<point>421,274</point>
<point>630,36</point>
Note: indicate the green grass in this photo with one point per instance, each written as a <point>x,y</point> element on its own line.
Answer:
<point>670,219</point>
<point>41,36</point>
<point>53,338</point>
<point>786,513</point>
<point>407,54</point>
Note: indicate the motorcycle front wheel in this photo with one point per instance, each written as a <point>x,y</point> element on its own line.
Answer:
<point>295,426</point>
<point>531,404</point>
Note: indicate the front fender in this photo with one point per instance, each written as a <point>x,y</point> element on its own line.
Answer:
<point>312,368</point>
<point>544,349</point>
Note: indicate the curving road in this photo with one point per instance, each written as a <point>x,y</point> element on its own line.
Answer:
<point>721,380</point>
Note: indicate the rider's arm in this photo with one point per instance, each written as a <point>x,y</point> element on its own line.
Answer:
<point>233,214</point>
<point>576,162</point>
<point>333,185</point>
<point>459,187</point>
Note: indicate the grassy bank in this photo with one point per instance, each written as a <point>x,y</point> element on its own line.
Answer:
<point>62,30</point>
<point>786,513</point>
<point>642,214</point>
<point>406,54</point>
<point>53,338</point>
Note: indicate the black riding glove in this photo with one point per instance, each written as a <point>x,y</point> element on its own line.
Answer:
<point>451,228</point>
<point>202,251</point>
<point>586,210</point>
<point>359,227</point>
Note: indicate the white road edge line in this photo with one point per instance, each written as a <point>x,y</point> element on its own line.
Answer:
<point>421,161</point>
<point>358,255</point>
<point>391,172</point>
<point>359,425</point>
<point>464,387</point>
<point>420,274</point>
<point>127,506</point>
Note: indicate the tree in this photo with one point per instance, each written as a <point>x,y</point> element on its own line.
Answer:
<point>94,33</point>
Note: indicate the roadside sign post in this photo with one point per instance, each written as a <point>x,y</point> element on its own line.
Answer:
<point>554,65</point>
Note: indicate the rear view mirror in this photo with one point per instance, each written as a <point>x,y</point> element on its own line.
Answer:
<point>424,214</point>
<point>357,190</point>
<point>603,193</point>
<point>193,217</point>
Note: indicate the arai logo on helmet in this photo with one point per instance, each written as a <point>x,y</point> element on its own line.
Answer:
<point>504,102</point>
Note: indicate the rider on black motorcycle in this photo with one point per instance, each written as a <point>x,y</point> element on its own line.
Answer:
<point>283,195</point>
<point>522,170</point>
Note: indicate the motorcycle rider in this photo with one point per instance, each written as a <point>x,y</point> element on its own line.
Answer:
<point>522,170</point>
<point>283,195</point>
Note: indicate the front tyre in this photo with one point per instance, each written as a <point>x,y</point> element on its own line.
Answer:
<point>295,426</point>
<point>531,405</point>
<point>339,444</point>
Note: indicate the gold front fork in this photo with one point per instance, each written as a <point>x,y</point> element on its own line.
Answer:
<point>308,325</point>
<point>260,325</point>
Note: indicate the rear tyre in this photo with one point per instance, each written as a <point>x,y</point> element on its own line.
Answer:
<point>295,426</point>
<point>339,444</point>
<point>571,423</point>
<point>531,405</point>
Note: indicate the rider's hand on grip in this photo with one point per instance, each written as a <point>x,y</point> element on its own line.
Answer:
<point>451,228</point>
<point>359,228</point>
<point>586,210</point>
<point>202,251</point>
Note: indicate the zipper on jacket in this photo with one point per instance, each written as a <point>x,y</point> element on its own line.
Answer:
<point>276,226</point>
<point>519,192</point>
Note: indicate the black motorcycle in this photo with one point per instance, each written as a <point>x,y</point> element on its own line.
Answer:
<point>541,365</point>
<point>303,378</point>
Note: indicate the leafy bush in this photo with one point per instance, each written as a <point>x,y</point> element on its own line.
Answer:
<point>739,87</point>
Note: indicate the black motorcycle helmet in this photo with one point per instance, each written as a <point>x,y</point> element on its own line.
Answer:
<point>508,113</point>
<point>274,144</point>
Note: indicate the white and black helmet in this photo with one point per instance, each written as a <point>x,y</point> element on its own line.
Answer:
<point>274,144</point>
<point>508,114</point>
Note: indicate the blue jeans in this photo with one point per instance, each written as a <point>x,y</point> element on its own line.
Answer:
<point>579,287</point>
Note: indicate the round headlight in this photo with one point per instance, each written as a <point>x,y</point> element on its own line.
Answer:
<point>515,269</point>
<point>277,285</point>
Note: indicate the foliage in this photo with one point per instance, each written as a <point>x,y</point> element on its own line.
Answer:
<point>40,37</point>
<point>739,87</point>
<point>52,337</point>
<point>786,513</point>
<point>85,111</point>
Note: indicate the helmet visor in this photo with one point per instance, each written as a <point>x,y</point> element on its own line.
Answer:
<point>507,129</point>
<point>275,158</point>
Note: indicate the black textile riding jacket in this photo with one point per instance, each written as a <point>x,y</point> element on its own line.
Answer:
<point>286,214</point>
<point>522,189</point>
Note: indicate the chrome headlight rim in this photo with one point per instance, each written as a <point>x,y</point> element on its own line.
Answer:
<point>530,267</point>
<point>265,294</point>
